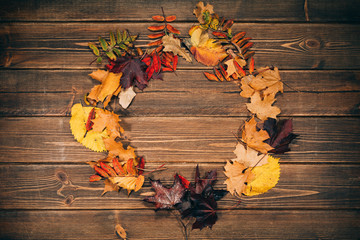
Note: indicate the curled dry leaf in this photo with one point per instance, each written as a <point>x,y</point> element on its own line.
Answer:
<point>172,44</point>
<point>120,231</point>
<point>263,107</point>
<point>107,120</point>
<point>110,84</point>
<point>203,12</point>
<point>126,96</point>
<point>254,138</point>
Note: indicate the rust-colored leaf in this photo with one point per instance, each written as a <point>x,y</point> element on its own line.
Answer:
<point>172,29</point>
<point>170,18</point>
<point>252,65</point>
<point>227,25</point>
<point>89,123</point>
<point>101,172</point>
<point>211,76</point>
<point>243,41</point>
<point>158,18</point>
<point>156,28</point>
<point>108,169</point>
<point>218,74</point>
<point>238,36</point>
<point>94,178</point>
<point>155,43</point>
<point>118,168</point>
<point>219,34</point>
<point>156,35</point>
<point>175,61</point>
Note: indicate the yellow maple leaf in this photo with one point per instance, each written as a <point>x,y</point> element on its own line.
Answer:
<point>265,177</point>
<point>91,140</point>
<point>238,176</point>
<point>205,49</point>
<point>254,138</point>
<point>263,107</point>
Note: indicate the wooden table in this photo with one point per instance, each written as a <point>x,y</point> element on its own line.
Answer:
<point>182,121</point>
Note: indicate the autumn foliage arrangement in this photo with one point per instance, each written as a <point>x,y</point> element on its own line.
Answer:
<point>212,42</point>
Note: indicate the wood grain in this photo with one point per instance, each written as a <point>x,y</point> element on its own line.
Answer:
<point>54,81</point>
<point>67,187</point>
<point>141,224</point>
<point>287,46</point>
<point>180,139</point>
<point>194,102</point>
<point>108,10</point>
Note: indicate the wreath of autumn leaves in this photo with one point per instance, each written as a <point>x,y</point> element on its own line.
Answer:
<point>212,43</point>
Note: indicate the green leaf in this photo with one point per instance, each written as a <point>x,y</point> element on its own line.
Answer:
<point>112,39</point>
<point>94,48</point>
<point>103,43</point>
<point>118,36</point>
<point>117,51</point>
<point>123,46</point>
<point>124,36</point>
<point>111,55</point>
<point>99,60</point>
<point>133,38</point>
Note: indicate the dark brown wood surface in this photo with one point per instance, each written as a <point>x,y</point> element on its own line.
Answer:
<point>182,121</point>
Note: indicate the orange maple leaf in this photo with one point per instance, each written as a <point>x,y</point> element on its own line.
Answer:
<point>255,139</point>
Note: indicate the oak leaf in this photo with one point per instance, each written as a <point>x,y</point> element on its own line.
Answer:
<point>254,138</point>
<point>265,177</point>
<point>166,198</point>
<point>263,107</point>
<point>172,44</point>
<point>237,177</point>
<point>249,157</point>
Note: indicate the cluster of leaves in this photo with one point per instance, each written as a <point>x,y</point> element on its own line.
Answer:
<point>116,46</point>
<point>197,200</point>
<point>163,29</point>
<point>116,175</point>
<point>254,171</point>
<point>100,130</point>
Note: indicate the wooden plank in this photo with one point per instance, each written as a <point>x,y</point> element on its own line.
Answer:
<point>153,225</point>
<point>288,46</point>
<point>49,140</point>
<point>141,10</point>
<point>50,81</point>
<point>67,187</point>
<point>194,102</point>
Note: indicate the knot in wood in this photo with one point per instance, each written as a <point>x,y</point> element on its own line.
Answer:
<point>313,43</point>
<point>69,200</point>
<point>62,176</point>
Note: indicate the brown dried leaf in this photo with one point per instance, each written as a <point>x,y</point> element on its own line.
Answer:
<point>120,231</point>
<point>263,107</point>
<point>255,139</point>
<point>238,176</point>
